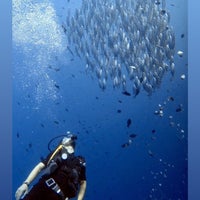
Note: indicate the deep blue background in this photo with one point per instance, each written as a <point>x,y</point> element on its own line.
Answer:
<point>42,111</point>
<point>127,153</point>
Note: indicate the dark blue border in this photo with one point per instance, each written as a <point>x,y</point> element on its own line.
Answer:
<point>5,100</point>
<point>194,99</point>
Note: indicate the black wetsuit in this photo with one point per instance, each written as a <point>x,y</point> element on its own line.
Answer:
<point>68,174</point>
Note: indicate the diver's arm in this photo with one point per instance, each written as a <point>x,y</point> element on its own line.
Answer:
<point>23,189</point>
<point>82,190</point>
<point>36,170</point>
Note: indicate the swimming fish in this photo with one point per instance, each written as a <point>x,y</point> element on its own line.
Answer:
<point>128,122</point>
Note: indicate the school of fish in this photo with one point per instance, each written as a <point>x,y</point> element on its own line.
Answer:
<point>129,43</point>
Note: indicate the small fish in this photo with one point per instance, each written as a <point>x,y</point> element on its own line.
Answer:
<point>126,93</point>
<point>128,122</point>
<point>57,86</point>
<point>171,98</point>
<point>182,35</point>
<point>153,131</point>
<point>133,135</point>
<point>161,113</point>
<point>163,12</point>
<point>119,111</point>
<point>50,67</point>
<point>56,122</point>
<point>132,67</point>
<point>125,145</point>
<point>182,76</point>
<point>57,69</point>
<point>150,153</point>
<point>157,2</point>
<point>137,91</point>
<point>180,53</point>
<point>156,112</point>
<point>64,28</point>
<point>179,109</point>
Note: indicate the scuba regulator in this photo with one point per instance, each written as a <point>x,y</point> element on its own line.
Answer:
<point>67,141</point>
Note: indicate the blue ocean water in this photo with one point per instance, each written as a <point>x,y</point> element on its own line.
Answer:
<point>52,93</point>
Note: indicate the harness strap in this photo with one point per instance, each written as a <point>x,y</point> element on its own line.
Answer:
<point>51,183</point>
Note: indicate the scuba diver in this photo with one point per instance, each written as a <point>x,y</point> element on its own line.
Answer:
<point>64,175</point>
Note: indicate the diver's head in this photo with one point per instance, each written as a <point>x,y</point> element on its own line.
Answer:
<point>69,142</point>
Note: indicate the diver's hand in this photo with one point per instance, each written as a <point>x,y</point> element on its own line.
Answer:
<point>21,191</point>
